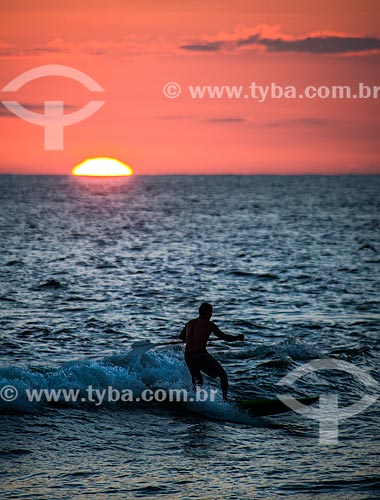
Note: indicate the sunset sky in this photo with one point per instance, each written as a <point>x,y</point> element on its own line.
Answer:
<point>132,48</point>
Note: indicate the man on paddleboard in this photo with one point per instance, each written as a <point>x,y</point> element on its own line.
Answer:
<point>196,334</point>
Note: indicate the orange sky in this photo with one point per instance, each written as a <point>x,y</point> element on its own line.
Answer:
<point>133,47</point>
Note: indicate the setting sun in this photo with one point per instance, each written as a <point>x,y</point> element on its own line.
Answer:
<point>102,167</point>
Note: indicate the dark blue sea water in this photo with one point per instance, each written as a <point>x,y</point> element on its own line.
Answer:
<point>89,266</point>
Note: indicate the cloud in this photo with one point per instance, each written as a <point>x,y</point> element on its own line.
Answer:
<point>204,119</point>
<point>251,122</point>
<point>37,108</point>
<point>10,51</point>
<point>324,45</point>
<point>297,122</point>
<point>269,39</point>
<point>204,47</point>
<point>286,123</point>
<point>130,45</point>
<point>226,119</point>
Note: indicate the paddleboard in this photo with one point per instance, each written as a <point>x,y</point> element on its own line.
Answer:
<point>264,407</point>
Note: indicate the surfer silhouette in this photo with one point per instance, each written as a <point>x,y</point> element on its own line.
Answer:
<point>196,334</point>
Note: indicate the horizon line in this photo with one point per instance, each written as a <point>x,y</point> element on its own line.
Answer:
<point>306,174</point>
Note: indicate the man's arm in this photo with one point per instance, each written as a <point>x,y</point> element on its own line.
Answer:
<point>224,336</point>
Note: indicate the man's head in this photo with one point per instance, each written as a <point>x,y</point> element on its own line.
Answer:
<point>205,310</point>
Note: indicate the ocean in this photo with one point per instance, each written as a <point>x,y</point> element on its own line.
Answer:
<point>89,266</point>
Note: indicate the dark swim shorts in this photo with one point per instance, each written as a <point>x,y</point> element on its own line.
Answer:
<point>201,360</point>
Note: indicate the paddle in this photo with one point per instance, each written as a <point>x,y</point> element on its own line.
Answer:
<point>142,346</point>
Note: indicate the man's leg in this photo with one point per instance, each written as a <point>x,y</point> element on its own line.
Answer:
<point>196,376</point>
<point>214,369</point>
<point>224,384</point>
<point>197,379</point>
